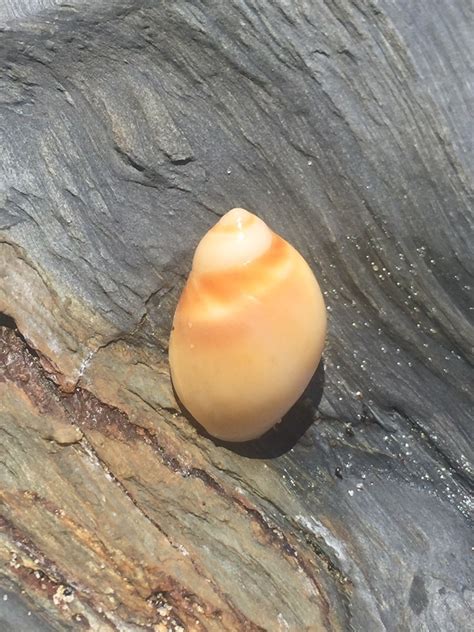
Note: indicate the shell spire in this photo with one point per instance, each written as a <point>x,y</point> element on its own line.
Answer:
<point>248,331</point>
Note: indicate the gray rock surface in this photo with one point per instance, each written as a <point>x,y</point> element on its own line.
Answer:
<point>127,129</point>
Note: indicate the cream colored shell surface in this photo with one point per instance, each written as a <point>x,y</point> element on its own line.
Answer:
<point>248,331</point>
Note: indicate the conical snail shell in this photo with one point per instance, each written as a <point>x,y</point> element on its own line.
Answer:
<point>248,331</point>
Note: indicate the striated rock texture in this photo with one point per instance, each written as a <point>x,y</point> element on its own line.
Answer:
<point>127,128</point>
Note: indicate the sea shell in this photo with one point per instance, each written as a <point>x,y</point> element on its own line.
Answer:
<point>248,331</point>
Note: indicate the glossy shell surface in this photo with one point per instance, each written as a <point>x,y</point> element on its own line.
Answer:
<point>248,331</point>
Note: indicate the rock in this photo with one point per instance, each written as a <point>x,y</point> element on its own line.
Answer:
<point>128,129</point>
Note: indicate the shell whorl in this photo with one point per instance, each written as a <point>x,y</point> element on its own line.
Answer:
<point>237,239</point>
<point>238,260</point>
